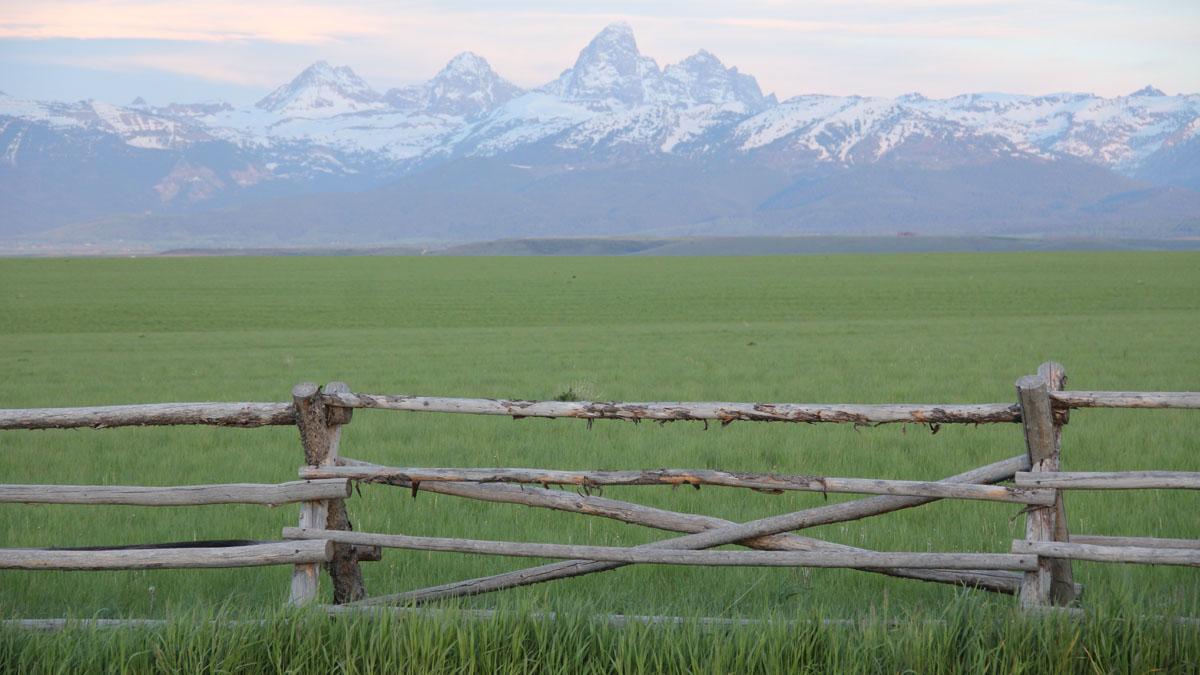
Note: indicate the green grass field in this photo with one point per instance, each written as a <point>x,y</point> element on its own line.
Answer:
<point>941,328</point>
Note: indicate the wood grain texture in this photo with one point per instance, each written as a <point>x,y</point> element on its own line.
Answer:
<point>1144,542</point>
<point>149,414</point>
<point>1119,554</point>
<point>1063,590</point>
<point>320,430</point>
<point>1001,561</point>
<point>675,477</point>
<point>1126,399</point>
<point>1111,480</point>
<point>1033,392</point>
<point>269,494</point>
<point>276,553</point>
<point>983,413</point>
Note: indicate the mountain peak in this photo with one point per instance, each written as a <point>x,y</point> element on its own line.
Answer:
<point>466,87</point>
<point>466,62</point>
<point>610,70</point>
<point>322,90</point>
<point>703,57</point>
<point>615,42</point>
<point>1149,90</point>
<point>702,78</point>
<point>617,32</point>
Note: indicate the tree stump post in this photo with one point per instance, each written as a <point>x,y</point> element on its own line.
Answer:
<point>1052,582</point>
<point>1062,576</point>
<point>320,433</point>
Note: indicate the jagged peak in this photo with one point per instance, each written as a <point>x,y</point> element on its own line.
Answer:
<point>616,39</point>
<point>320,69</point>
<point>609,70</point>
<point>466,62</point>
<point>702,57</point>
<point>467,86</point>
<point>323,70</point>
<point>703,78</point>
<point>1149,90</point>
<point>616,31</point>
<point>317,87</point>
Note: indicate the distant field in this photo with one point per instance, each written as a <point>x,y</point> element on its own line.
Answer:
<point>809,245</point>
<point>819,328</point>
<point>656,246</point>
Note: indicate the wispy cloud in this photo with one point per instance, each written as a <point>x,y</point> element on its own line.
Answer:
<point>219,21</point>
<point>211,67</point>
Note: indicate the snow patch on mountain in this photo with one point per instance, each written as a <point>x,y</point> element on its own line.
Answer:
<point>702,79</point>
<point>610,73</point>
<point>525,120</point>
<point>466,87</point>
<point>322,90</point>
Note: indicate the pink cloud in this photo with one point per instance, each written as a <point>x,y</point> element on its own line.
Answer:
<point>219,21</point>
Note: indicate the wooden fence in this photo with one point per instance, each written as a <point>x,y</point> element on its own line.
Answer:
<point>1037,569</point>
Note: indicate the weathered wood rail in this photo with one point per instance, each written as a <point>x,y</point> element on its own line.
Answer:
<point>694,477</point>
<point>1111,480</point>
<point>988,413</point>
<point>1121,554</point>
<point>150,414</point>
<point>275,553</point>
<point>1036,569</point>
<point>179,495</point>
<point>954,561</point>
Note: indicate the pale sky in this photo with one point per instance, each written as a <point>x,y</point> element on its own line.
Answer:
<point>114,50</point>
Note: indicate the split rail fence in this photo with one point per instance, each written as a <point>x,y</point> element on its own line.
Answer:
<point>1037,569</point>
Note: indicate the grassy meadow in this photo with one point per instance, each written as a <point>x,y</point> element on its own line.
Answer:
<point>945,328</point>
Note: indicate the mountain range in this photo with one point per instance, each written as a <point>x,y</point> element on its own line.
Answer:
<point>614,146</point>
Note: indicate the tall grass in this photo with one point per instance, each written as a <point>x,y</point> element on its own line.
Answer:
<point>964,637</point>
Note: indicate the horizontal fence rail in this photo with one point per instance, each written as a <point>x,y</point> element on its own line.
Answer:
<point>1118,554</point>
<point>1000,561</point>
<point>1111,480</point>
<point>982,413</point>
<point>257,414</point>
<point>150,414</point>
<point>182,495</point>
<point>275,553</point>
<point>1126,399</point>
<point>692,477</point>
<point>1146,542</point>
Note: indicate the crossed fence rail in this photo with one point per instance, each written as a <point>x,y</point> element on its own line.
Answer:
<point>1037,569</point>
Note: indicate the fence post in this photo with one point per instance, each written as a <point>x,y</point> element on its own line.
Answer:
<point>320,433</point>
<point>1062,576</point>
<point>1037,420</point>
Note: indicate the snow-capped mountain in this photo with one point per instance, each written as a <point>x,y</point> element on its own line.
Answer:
<point>466,87</point>
<point>702,79</point>
<point>610,73</point>
<point>322,90</point>
<point>614,110</point>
